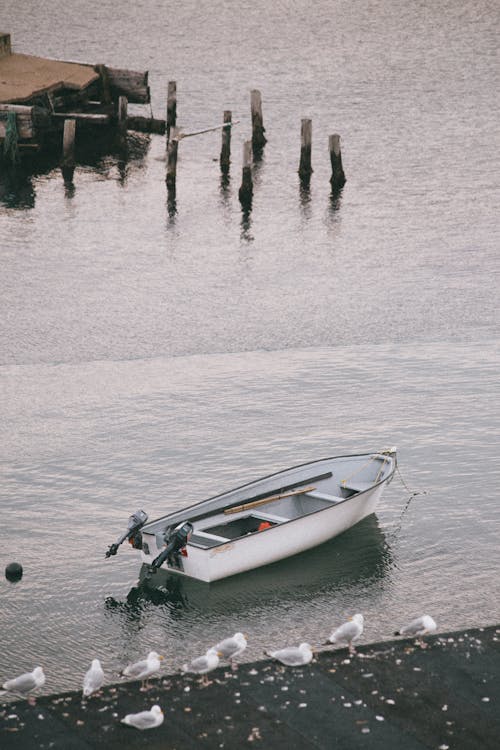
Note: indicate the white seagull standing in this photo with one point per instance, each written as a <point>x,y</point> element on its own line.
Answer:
<point>204,664</point>
<point>231,647</point>
<point>25,683</point>
<point>145,719</point>
<point>419,627</point>
<point>293,656</point>
<point>142,670</point>
<point>348,632</point>
<point>93,679</point>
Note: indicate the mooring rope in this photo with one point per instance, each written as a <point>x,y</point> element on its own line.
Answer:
<point>412,494</point>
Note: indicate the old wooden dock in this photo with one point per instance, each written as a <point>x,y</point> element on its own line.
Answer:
<point>41,94</point>
<point>45,105</point>
<point>390,696</point>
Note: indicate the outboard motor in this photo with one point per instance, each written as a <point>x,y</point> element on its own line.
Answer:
<point>175,542</point>
<point>135,522</point>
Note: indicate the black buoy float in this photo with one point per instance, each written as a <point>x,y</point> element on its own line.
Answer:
<point>14,572</point>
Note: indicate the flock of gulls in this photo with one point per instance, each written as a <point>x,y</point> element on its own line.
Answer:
<point>227,650</point>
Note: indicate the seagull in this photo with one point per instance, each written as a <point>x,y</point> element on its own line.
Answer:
<point>293,656</point>
<point>93,679</point>
<point>231,647</point>
<point>25,683</point>
<point>143,669</point>
<point>145,719</point>
<point>348,632</point>
<point>419,627</point>
<point>203,664</point>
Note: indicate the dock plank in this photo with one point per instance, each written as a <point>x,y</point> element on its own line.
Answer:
<point>24,76</point>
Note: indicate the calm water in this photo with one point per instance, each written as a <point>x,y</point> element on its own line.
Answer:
<point>153,355</point>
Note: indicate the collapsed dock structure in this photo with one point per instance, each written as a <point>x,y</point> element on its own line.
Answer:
<point>38,95</point>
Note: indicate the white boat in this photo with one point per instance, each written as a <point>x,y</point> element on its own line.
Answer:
<point>265,520</point>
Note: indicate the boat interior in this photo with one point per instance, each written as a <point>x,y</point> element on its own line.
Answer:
<point>221,528</point>
<point>279,506</point>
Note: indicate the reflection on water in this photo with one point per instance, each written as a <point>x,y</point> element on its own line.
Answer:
<point>171,203</point>
<point>305,198</point>
<point>336,199</point>
<point>361,557</point>
<point>225,183</point>
<point>99,153</point>
<point>246,222</point>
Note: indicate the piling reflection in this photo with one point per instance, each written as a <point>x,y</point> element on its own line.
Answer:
<point>99,154</point>
<point>246,224</point>
<point>171,204</point>
<point>69,189</point>
<point>225,184</point>
<point>361,557</point>
<point>335,200</point>
<point>305,198</point>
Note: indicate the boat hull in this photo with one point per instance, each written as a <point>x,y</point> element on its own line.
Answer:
<point>274,543</point>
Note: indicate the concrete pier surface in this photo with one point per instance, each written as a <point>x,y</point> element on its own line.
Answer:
<point>388,695</point>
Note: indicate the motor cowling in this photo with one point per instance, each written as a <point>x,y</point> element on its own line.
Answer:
<point>176,541</point>
<point>135,522</point>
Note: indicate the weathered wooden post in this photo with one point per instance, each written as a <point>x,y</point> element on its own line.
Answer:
<point>122,119</point>
<point>225,154</point>
<point>171,108</point>
<point>258,138</point>
<point>105,87</point>
<point>305,168</point>
<point>172,158</point>
<point>68,158</point>
<point>10,147</point>
<point>246,189</point>
<point>337,179</point>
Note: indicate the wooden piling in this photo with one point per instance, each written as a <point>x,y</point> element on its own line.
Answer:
<point>171,108</point>
<point>258,129</point>
<point>122,115</point>
<point>225,154</point>
<point>305,168</point>
<point>172,158</point>
<point>105,85</point>
<point>338,178</point>
<point>246,190</point>
<point>68,157</point>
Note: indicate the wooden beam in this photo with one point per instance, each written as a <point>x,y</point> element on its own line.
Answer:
<point>122,114</point>
<point>246,189</point>
<point>24,120</point>
<point>258,129</point>
<point>171,107</point>
<point>68,156</point>
<point>172,157</point>
<point>86,118</point>
<point>146,124</point>
<point>338,179</point>
<point>270,499</point>
<point>105,85</point>
<point>305,168</point>
<point>129,83</point>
